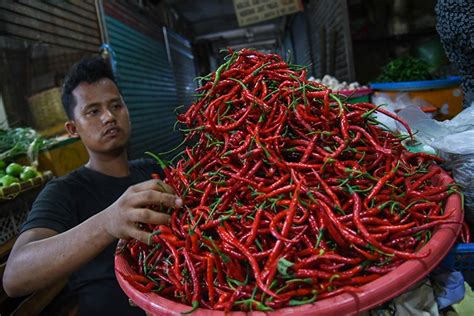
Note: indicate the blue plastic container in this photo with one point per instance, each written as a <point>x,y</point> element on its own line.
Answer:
<point>461,258</point>
<point>452,81</point>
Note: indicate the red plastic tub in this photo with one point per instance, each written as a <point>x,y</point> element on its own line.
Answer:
<point>357,95</point>
<point>370,296</point>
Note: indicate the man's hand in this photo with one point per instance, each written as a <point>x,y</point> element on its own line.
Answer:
<point>131,208</point>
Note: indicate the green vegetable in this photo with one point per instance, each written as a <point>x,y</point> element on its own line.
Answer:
<point>14,169</point>
<point>21,140</point>
<point>8,180</point>
<point>2,165</point>
<point>29,173</point>
<point>405,69</point>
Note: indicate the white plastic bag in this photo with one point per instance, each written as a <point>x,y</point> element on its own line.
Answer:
<point>454,141</point>
<point>395,103</point>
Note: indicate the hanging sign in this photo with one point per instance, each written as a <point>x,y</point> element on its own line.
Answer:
<point>254,11</point>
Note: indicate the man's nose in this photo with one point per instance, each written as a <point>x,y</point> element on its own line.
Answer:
<point>108,115</point>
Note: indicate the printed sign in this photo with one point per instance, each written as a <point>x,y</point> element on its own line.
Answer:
<point>254,11</point>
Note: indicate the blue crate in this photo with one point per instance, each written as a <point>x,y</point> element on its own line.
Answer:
<point>461,258</point>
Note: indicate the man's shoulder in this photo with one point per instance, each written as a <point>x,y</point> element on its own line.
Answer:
<point>145,165</point>
<point>144,168</point>
<point>142,162</point>
<point>67,182</point>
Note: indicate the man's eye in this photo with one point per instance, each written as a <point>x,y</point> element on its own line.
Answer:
<point>92,112</point>
<point>117,105</point>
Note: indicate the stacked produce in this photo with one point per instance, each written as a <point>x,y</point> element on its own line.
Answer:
<point>19,141</point>
<point>15,173</point>
<point>290,196</point>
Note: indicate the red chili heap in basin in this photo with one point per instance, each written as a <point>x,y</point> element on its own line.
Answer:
<point>290,194</point>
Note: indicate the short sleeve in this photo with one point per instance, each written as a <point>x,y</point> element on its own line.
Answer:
<point>54,208</point>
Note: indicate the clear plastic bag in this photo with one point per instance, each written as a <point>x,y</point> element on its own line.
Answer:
<point>395,103</point>
<point>454,141</point>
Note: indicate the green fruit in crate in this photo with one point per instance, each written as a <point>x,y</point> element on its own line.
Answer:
<point>29,173</point>
<point>8,180</point>
<point>14,169</point>
<point>2,165</point>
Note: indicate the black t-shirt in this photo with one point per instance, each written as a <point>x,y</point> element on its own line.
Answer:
<point>66,202</point>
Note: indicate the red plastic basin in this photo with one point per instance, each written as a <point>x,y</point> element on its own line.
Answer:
<point>356,92</point>
<point>371,294</point>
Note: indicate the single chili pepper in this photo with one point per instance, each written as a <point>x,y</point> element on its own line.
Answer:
<point>255,225</point>
<point>144,289</point>
<point>366,254</point>
<point>425,177</point>
<point>334,257</point>
<point>223,232</point>
<point>274,231</point>
<point>196,287</point>
<point>380,184</point>
<point>370,139</point>
<point>425,156</point>
<point>389,114</point>
<point>236,124</point>
<point>337,232</point>
<point>400,240</point>
<point>327,189</point>
<point>276,192</point>
<point>309,149</point>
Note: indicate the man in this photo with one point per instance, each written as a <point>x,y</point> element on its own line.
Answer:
<point>76,220</point>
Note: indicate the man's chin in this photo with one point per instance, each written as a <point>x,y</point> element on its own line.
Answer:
<point>116,149</point>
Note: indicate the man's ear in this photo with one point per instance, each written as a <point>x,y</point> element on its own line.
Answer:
<point>70,127</point>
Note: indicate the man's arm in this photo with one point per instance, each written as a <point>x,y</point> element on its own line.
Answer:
<point>42,256</point>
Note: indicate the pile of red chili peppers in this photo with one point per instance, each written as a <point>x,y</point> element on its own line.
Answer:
<point>291,195</point>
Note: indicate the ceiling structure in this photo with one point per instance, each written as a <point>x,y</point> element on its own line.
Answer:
<point>215,21</point>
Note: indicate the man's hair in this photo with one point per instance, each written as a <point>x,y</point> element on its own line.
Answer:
<point>90,70</point>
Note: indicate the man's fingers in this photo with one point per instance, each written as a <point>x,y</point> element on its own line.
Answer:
<point>144,215</point>
<point>153,184</point>
<point>163,187</point>
<point>122,243</point>
<point>148,197</point>
<point>141,235</point>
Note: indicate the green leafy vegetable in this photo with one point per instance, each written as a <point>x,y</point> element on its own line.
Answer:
<point>405,69</point>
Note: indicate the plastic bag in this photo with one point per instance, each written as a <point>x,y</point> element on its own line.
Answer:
<point>395,103</point>
<point>454,141</point>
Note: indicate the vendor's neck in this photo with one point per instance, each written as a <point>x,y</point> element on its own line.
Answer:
<point>111,165</point>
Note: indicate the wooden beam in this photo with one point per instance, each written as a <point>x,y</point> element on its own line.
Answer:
<point>62,22</point>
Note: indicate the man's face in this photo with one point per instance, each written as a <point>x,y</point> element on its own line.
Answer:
<point>101,117</point>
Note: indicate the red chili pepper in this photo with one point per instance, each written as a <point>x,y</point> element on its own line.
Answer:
<point>380,184</point>
<point>425,177</point>
<point>373,241</point>
<point>223,232</point>
<point>281,177</point>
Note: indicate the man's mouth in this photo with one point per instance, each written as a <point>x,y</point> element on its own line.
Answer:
<point>112,131</point>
